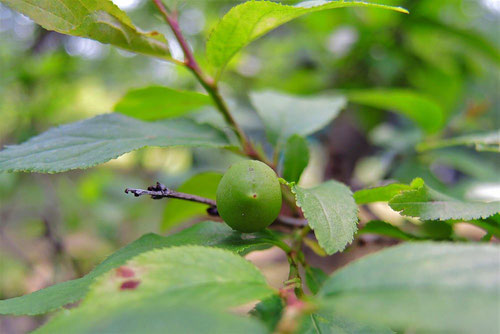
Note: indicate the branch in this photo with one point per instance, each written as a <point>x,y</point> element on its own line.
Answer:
<point>160,191</point>
<point>209,84</point>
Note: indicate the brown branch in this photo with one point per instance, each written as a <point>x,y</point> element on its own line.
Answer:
<point>209,84</point>
<point>160,191</point>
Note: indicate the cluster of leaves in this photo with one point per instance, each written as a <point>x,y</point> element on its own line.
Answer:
<point>188,280</point>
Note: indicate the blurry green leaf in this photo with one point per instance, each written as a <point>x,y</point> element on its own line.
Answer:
<point>269,311</point>
<point>175,276</point>
<point>315,278</point>
<point>178,211</point>
<point>296,158</point>
<point>489,142</point>
<point>205,234</point>
<point>436,230</point>
<point>246,22</point>
<point>331,212</point>
<point>285,115</point>
<point>465,161</point>
<point>471,39</point>
<point>388,230</point>
<point>425,112</point>
<point>150,317</point>
<point>384,193</point>
<point>96,140</point>
<point>325,323</point>
<point>96,19</point>
<point>428,204</point>
<point>425,287</point>
<point>158,102</point>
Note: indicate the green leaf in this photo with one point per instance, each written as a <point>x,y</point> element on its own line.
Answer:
<point>158,102</point>
<point>96,140</point>
<point>247,22</point>
<point>425,112</point>
<point>386,229</point>
<point>422,287</point>
<point>281,112</point>
<point>489,142</point>
<point>205,234</point>
<point>470,39</point>
<point>193,275</point>
<point>384,193</point>
<point>179,211</point>
<point>152,318</point>
<point>428,204</point>
<point>331,212</point>
<point>296,158</point>
<point>96,19</point>
<point>269,311</point>
<point>325,323</point>
<point>315,278</point>
<point>168,278</point>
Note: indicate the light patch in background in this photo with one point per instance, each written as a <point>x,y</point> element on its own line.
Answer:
<point>162,71</point>
<point>23,27</point>
<point>83,47</point>
<point>175,48</point>
<point>249,66</point>
<point>313,174</point>
<point>192,21</point>
<point>484,192</point>
<point>127,4</point>
<point>172,160</point>
<point>341,41</point>
<point>492,5</point>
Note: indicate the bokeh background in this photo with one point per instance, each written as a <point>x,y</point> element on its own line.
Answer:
<point>58,227</point>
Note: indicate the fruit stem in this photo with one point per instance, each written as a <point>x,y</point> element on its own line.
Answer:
<point>295,257</point>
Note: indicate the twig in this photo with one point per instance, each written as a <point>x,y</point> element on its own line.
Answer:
<point>209,84</point>
<point>160,191</point>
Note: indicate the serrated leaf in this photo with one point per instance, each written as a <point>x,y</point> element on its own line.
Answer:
<point>325,323</point>
<point>178,211</point>
<point>428,204</point>
<point>383,228</point>
<point>489,142</point>
<point>158,102</point>
<point>96,19</point>
<point>295,158</point>
<point>96,140</point>
<point>205,234</point>
<point>331,212</point>
<point>280,113</point>
<point>175,278</point>
<point>246,22</point>
<point>423,287</point>
<point>424,111</point>
<point>152,318</point>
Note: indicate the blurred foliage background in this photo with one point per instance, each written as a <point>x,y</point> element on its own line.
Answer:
<point>57,227</point>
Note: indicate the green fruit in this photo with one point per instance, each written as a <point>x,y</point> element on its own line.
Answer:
<point>249,196</point>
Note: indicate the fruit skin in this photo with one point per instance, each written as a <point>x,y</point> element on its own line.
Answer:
<point>249,196</point>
